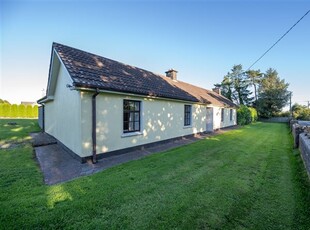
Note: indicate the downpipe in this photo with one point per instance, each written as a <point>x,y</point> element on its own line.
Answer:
<point>94,134</point>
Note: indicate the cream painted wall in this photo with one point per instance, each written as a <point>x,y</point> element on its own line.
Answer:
<point>69,118</point>
<point>86,123</point>
<point>63,114</point>
<point>217,123</point>
<point>161,120</point>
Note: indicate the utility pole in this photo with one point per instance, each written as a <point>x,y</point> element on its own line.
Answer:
<point>291,104</point>
<point>308,104</point>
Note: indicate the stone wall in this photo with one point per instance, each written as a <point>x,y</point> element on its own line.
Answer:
<point>296,131</point>
<point>304,147</point>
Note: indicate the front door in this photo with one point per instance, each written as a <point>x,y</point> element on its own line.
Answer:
<point>209,119</point>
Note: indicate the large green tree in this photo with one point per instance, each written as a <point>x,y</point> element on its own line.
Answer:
<point>254,77</point>
<point>273,94</point>
<point>226,87</point>
<point>235,86</point>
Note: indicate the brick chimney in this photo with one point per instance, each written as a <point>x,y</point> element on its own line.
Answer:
<point>171,73</point>
<point>217,90</point>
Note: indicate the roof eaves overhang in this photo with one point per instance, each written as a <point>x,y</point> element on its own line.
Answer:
<point>91,89</point>
<point>45,99</point>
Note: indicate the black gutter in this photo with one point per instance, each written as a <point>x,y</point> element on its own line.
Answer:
<point>94,136</point>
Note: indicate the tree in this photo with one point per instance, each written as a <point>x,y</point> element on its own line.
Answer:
<point>4,101</point>
<point>226,87</point>
<point>35,111</point>
<point>13,110</point>
<point>300,112</point>
<point>235,86</point>
<point>273,94</point>
<point>1,109</point>
<point>6,109</point>
<point>21,112</point>
<point>254,76</point>
<point>28,111</point>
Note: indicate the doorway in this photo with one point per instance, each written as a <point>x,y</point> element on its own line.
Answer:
<point>209,119</point>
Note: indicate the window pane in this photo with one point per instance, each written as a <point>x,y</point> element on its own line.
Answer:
<point>126,116</point>
<point>137,116</point>
<point>131,115</point>
<point>130,126</point>
<point>137,106</point>
<point>187,114</point>
<point>126,126</point>
<point>132,105</point>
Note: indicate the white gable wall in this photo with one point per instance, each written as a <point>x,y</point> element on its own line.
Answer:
<point>63,114</point>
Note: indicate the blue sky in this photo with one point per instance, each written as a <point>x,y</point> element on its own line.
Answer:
<point>200,39</point>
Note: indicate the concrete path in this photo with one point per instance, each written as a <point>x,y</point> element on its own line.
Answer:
<point>59,166</point>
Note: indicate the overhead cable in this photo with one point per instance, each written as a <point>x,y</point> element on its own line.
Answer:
<point>278,40</point>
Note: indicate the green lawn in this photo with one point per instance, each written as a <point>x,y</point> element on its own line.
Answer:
<point>244,179</point>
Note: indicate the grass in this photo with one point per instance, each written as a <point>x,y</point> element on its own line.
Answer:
<point>248,178</point>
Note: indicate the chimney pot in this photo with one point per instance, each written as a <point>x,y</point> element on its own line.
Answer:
<point>172,74</point>
<point>217,90</point>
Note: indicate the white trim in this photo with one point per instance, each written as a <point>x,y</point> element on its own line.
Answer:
<point>47,99</point>
<point>50,71</point>
<point>131,134</point>
<point>135,133</point>
<point>138,95</point>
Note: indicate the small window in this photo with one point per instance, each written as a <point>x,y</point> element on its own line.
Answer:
<point>187,115</point>
<point>222,115</point>
<point>131,116</point>
<point>231,114</point>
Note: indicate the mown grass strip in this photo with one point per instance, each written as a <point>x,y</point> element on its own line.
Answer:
<point>247,178</point>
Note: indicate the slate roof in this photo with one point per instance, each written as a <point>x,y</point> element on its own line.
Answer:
<point>93,71</point>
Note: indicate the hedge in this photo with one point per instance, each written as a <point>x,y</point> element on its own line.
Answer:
<point>246,115</point>
<point>18,111</point>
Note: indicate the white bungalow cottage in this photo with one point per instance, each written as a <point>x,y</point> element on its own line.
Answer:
<point>98,107</point>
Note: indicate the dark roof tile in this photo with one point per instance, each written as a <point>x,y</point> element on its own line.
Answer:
<point>92,71</point>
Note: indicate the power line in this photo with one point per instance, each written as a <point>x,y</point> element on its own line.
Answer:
<point>278,40</point>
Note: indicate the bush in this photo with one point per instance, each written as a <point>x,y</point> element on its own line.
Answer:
<point>254,115</point>
<point>282,114</point>
<point>243,115</point>
<point>300,112</point>
<point>304,115</point>
<point>246,115</point>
